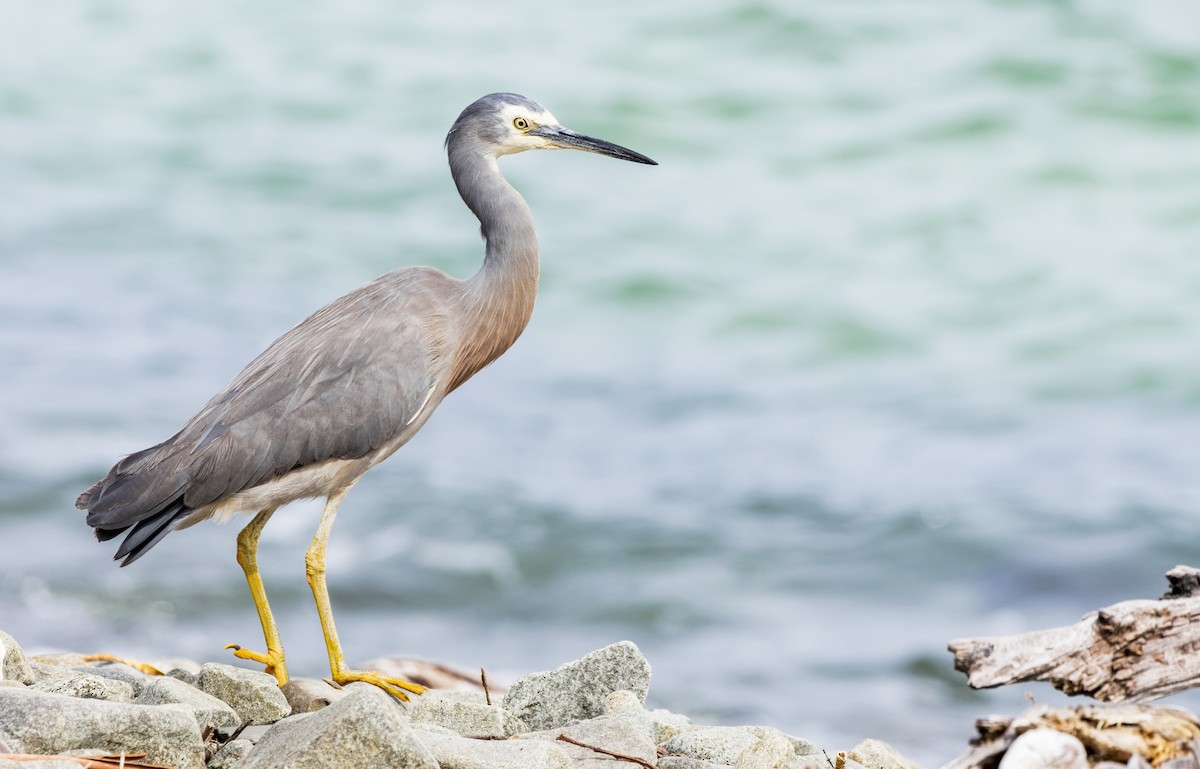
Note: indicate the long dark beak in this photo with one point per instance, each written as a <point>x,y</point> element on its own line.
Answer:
<point>565,138</point>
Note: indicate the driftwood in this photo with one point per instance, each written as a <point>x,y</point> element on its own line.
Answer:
<point>1134,650</point>
<point>1157,737</point>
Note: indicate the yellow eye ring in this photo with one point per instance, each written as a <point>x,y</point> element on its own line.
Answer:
<point>521,123</point>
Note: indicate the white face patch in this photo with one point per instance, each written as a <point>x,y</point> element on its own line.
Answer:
<point>516,139</point>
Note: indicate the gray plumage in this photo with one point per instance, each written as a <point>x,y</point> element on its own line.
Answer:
<point>352,383</point>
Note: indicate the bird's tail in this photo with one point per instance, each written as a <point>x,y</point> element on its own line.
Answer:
<point>136,496</point>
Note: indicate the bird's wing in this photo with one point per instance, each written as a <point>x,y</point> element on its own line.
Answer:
<point>341,384</point>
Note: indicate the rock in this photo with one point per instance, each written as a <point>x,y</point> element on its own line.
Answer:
<point>87,686</point>
<point>64,660</point>
<point>464,716</point>
<point>719,744</point>
<point>305,695</point>
<point>178,667</point>
<point>820,761</point>
<point>577,690</point>
<point>49,763</point>
<point>364,728</point>
<point>231,754</point>
<point>667,724</point>
<point>623,702</point>
<point>207,708</point>
<point>877,754</point>
<point>772,750</point>
<point>48,723</point>
<point>454,752</point>
<point>13,664</point>
<point>1044,749</point>
<point>253,695</point>
<point>628,735</point>
<point>116,671</point>
<point>682,762</point>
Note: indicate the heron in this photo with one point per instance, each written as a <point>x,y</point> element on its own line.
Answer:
<point>348,386</point>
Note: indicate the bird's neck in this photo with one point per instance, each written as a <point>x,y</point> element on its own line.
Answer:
<point>500,297</point>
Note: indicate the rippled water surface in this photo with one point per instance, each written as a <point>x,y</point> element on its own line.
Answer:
<point>898,344</point>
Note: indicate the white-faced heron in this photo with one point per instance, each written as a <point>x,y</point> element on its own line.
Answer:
<point>337,394</point>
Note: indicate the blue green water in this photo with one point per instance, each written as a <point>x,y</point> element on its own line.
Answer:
<point>898,344</point>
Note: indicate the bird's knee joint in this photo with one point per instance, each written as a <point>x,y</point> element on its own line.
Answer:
<point>314,563</point>
<point>247,556</point>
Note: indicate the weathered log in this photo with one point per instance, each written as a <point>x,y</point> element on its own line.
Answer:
<point>1135,650</point>
<point>1157,736</point>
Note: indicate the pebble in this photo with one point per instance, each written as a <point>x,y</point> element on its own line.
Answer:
<point>451,751</point>
<point>304,695</point>
<point>469,716</point>
<point>719,744</point>
<point>577,690</point>
<point>877,754</point>
<point>364,728</point>
<point>51,723</point>
<point>13,664</point>
<point>87,686</point>
<point>253,695</point>
<point>60,703</point>
<point>206,708</point>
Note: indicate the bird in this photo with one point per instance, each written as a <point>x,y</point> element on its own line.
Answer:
<point>348,386</point>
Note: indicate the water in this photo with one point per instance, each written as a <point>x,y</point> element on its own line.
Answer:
<point>897,345</point>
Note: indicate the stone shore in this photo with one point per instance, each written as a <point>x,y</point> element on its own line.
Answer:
<point>586,714</point>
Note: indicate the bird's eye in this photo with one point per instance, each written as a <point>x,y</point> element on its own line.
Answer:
<point>521,123</point>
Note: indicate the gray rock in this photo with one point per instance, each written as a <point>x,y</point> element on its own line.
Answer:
<point>61,660</point>
<point>666,724</point>
<point>305,695</point>
<point>628,735</point>
<point>464,716</point>
<point>719,744</point>
<point>43,722</point>
<point>87,686</point>
<point>577,690</point>
<point>364,728</point>
<point>253,695</point>
<point>207,708</point>
<point>623,702</point>
<point>454,752</point>
<point>231,754</point>
<point>877,754</point>
<point>13,664</point>
<point>682,762</point>
<point>773,750</point>
<point>116,671</point>
<point>49,763</point>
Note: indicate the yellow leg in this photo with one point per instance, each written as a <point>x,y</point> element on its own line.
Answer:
<point>247,557</point>
<point>314,562</point>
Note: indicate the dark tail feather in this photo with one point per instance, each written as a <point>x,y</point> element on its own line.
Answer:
<point>146,533</point>
<point>106,534</point>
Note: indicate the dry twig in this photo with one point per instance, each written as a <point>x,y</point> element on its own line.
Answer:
<point>123,761</point>
<point>618,756</point>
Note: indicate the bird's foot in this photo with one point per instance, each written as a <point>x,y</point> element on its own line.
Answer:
<point>397,687</point>
<point>274,661</point>
<point>145,667</point>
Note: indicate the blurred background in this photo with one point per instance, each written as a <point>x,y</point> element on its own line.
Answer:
<point>898,344</point>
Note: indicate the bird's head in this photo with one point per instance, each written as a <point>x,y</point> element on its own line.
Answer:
<point>506,123</point>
